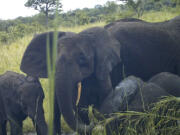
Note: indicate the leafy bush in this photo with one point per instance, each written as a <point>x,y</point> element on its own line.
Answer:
<point>19,31</point>
<point>4,36</point>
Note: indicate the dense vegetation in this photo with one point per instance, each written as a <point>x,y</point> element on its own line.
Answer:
<point>16,34</point>
<point>17,28</point>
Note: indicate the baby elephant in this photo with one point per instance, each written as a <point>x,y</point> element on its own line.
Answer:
<point>135,95</point>
<point>23,96</point>
<point>3,117</point>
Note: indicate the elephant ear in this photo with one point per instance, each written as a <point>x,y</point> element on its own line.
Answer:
<point>34,60</point>
<point>107,51</point>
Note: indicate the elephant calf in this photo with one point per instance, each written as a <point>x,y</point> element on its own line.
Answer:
<point>23,96</point>
<point>3,117</point>
<point>135,94</point>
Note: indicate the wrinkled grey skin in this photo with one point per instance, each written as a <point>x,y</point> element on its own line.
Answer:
<point>23,96</point>
<point>129,91</point>
<point>124,92</point>
<point>139,95</point>
<point>128,94</point>
<point>148,48</point>
<point>167,81</point>
<point>96,57</point>
<point>3,117</point>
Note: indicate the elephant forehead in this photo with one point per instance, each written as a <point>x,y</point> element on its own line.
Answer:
<point>74,40</point>
<point>74,45</point>
<point>127,87</point>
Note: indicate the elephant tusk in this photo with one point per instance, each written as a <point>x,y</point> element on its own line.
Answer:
<point>79,93</point>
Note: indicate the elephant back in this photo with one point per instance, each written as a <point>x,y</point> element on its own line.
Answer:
<point>173,27</point>
<point>125,20</point>
<point>168,81</point>
<point>175,23</point>
<point>148,94</point>
<point>11,80</point>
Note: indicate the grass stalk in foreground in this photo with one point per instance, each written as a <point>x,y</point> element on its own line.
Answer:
<point>51,66</point>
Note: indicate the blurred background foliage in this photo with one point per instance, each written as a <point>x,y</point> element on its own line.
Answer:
<point>10,30</point>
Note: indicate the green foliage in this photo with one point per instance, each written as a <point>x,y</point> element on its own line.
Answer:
<point>169,2</point>
<point>45,6</point>
<point>4,36</point>
<point>100,13</point>
<point>137,6</point>
<point>18,31</point>
<point>162,119</point>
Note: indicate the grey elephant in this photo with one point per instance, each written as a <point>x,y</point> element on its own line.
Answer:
<point>23,96</point>
<point>98,58</point>
<point>168,81</point>
<point>3,117</point>
<point>134,93</point>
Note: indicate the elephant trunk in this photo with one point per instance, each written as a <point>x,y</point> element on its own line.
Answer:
<point>64,91</point>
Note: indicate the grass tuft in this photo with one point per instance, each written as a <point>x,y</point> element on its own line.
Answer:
<point>162,119</point>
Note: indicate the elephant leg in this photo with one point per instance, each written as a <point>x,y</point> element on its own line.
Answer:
<point>39,121</point>
<point>3,128</point>
<point>41,127</point>
<point>16,127</point>
<point>57,118</point>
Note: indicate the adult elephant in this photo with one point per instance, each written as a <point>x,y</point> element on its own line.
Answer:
<point>148,48</point>
<point>96,57</point>
<point>133,94</point>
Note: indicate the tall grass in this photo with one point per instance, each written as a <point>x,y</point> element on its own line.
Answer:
<point>51,67</point>
<point>51,78</point>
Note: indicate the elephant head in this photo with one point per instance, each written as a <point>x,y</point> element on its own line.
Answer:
<point>93,52</point>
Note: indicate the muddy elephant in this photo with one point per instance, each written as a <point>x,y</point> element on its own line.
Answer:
<point>3,117</point>
<point>138,95</point>
<point>23,97</point>
<point>99,57</point>
<point>133,94</point>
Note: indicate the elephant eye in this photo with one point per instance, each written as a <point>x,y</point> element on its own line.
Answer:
<point>82,61</point>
